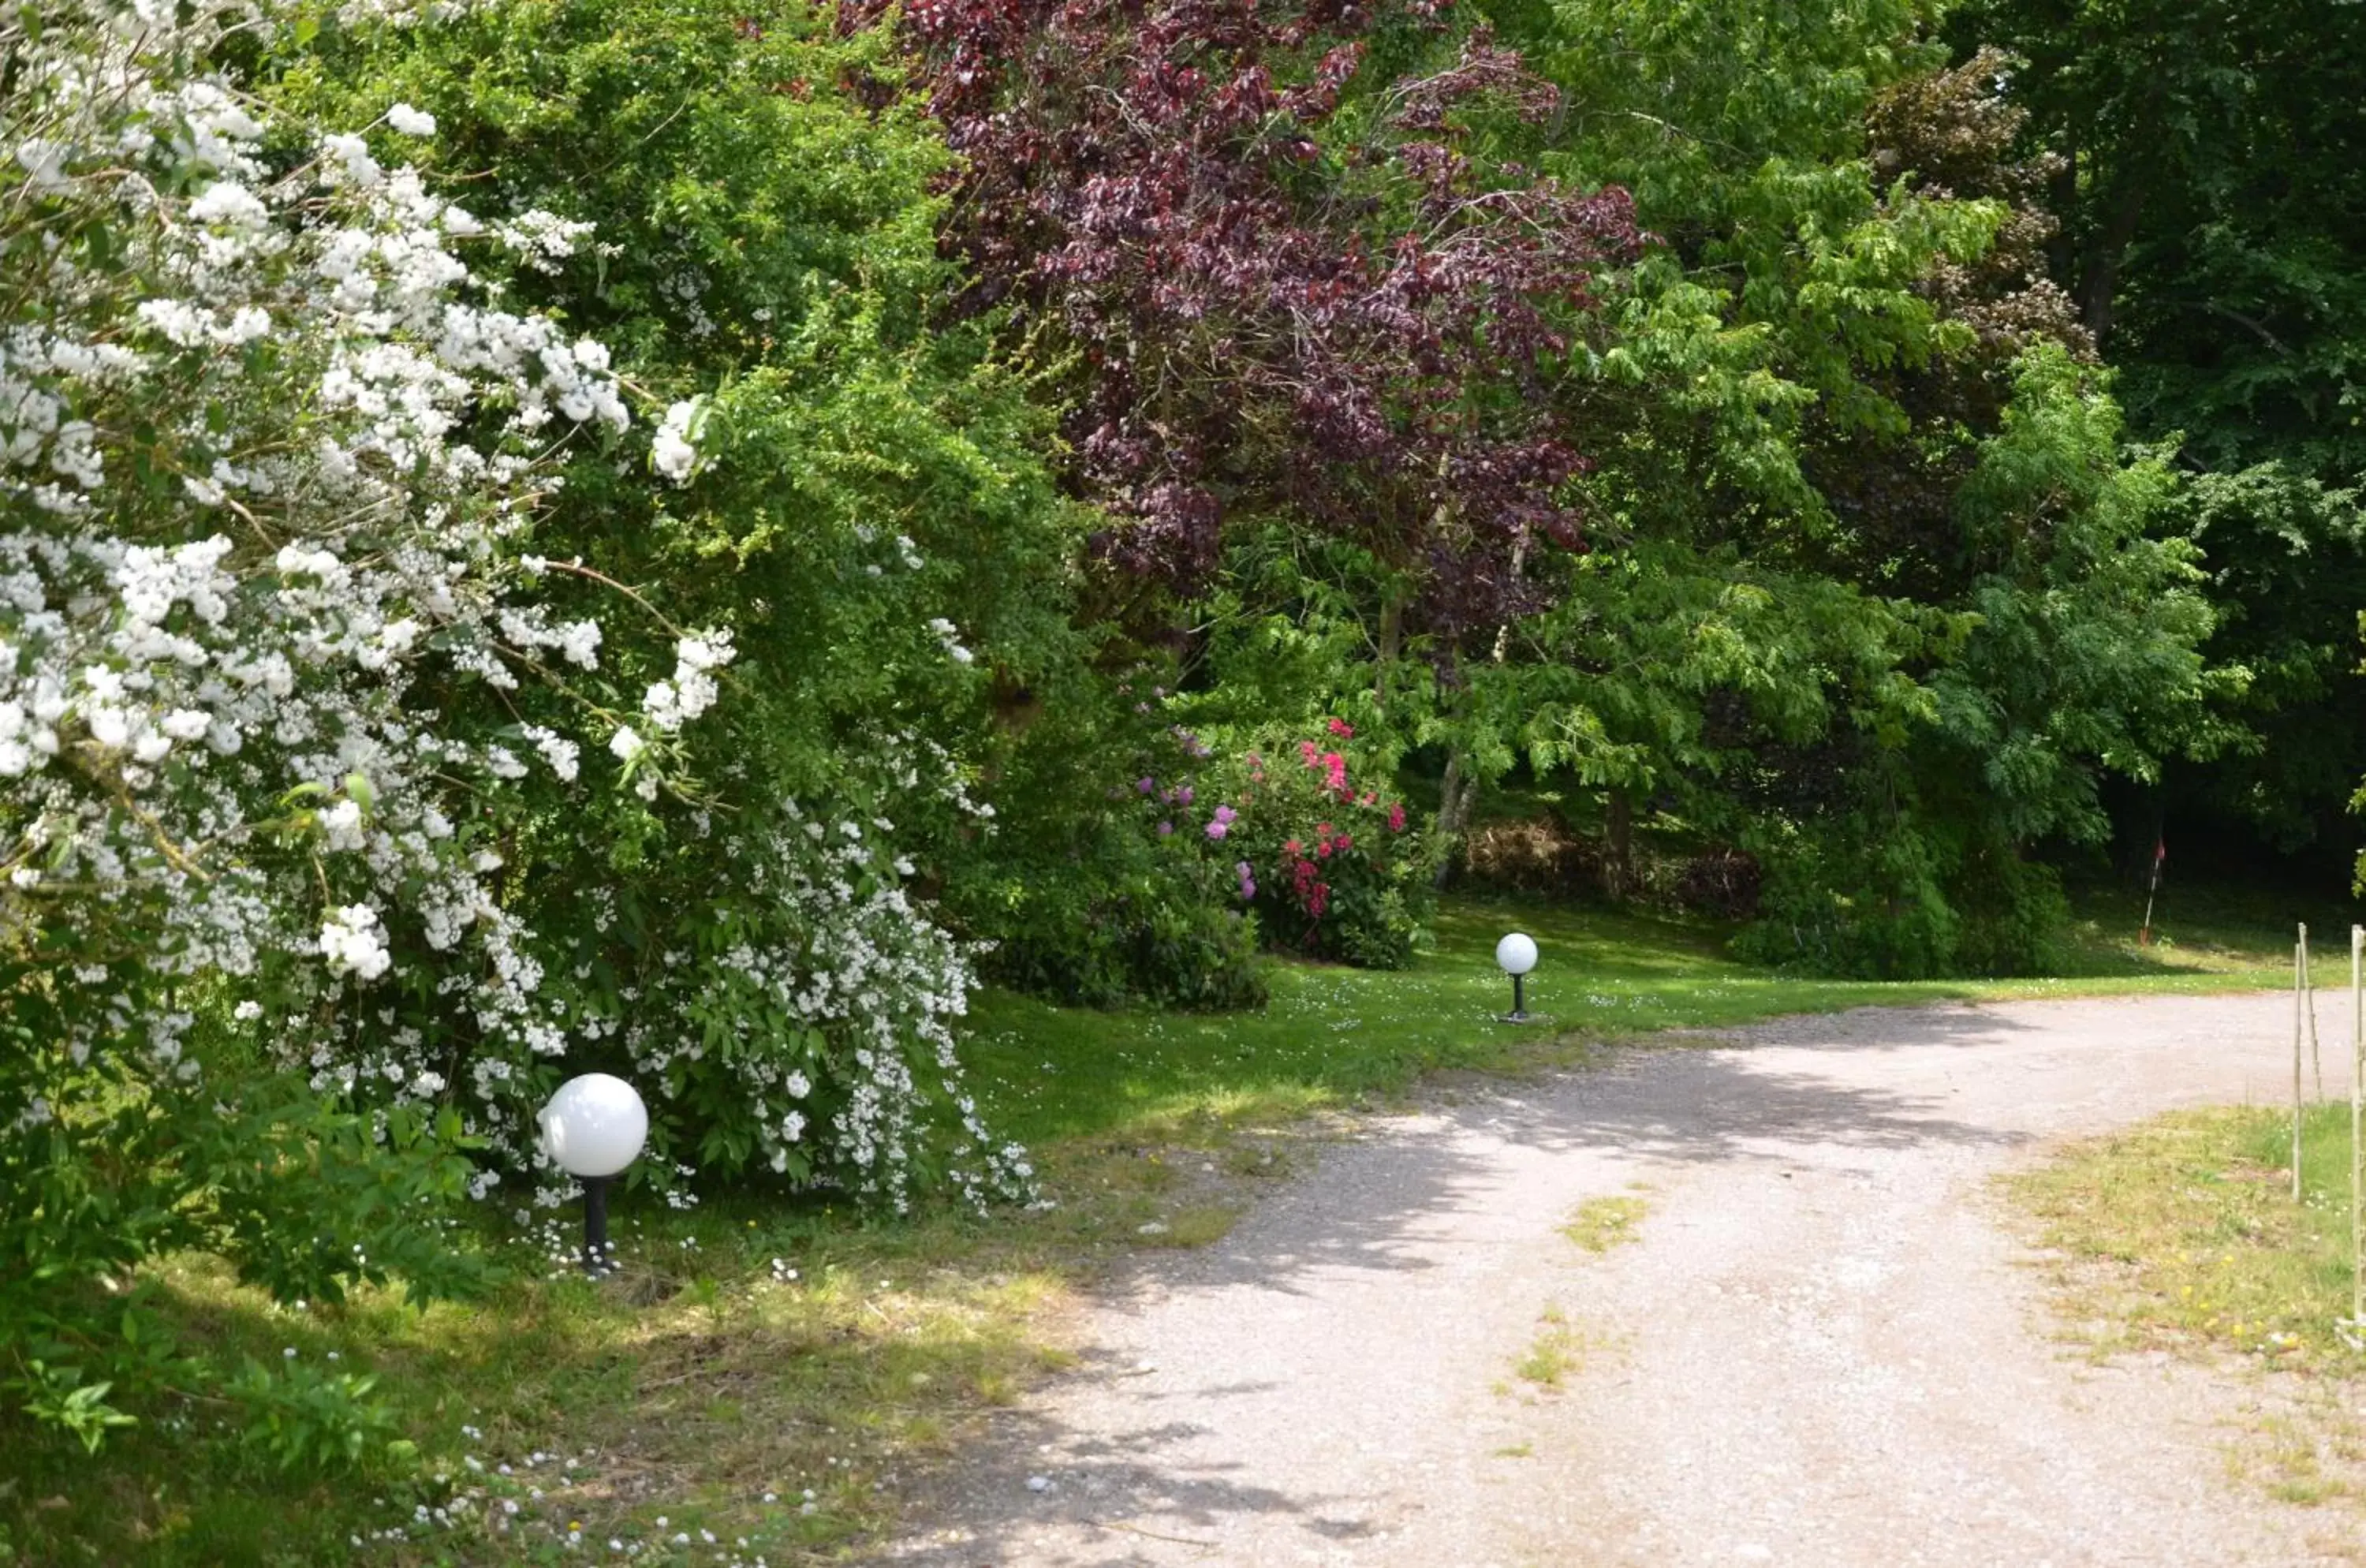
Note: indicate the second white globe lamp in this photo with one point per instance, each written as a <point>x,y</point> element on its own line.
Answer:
<point>1515,955</point>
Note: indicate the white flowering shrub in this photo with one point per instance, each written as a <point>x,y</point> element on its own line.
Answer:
<point>854,494</point>
<point>267,451</point>
<point>294,719</point>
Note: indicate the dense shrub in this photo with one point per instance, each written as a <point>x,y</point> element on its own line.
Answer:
<point>742,929</point>
<point>1852,900</point>
<point>1896,901</point>
<point>1077,896</point>
<point>1337,867</point>
<point>1165,935</point>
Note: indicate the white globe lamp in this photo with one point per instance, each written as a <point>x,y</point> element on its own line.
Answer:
<point>595,1127</point>
<point>1515,955</point>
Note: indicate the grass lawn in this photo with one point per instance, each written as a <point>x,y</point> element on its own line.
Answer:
<point>774,1370</point>
<point>2182,1235</point>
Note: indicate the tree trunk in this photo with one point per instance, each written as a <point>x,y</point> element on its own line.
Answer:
<point>1391,644</point>
<point>2098,285</point>
<point>1454,804</point>
<point>1618,845</point>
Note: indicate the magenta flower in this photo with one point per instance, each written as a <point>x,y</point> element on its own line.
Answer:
<point>1146,784</point>
<point>1165,829</point>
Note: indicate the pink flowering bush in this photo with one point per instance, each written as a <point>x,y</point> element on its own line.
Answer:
<point>1308,837</point>
<point>1343,874</point>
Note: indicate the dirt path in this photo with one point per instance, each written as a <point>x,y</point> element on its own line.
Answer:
<point>1821,1352</point>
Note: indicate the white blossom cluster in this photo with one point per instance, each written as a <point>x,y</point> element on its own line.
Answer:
<point>824,1025</point>
<point>267,451</point>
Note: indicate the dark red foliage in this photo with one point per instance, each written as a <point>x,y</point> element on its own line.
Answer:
<point>1288,291</point>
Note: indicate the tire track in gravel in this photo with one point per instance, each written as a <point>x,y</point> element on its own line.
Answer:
<point>1823,1350</point>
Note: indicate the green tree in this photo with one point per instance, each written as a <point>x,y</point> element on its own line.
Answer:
<point>2211,178</point>
<point>1846,396</point>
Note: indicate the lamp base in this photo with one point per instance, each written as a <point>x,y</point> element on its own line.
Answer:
<point>1519,1013</point>
<point>599,1262</point>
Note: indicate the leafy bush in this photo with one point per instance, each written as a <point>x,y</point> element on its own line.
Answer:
<point>1164,935</point>
<point>1330,858</point>
<point>1852,899</point>
<point>1904,901</point>
<point>1086,900</point>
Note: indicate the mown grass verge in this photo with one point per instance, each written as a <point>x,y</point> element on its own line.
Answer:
<point>2181,1236</point>
<point>709,1391</point>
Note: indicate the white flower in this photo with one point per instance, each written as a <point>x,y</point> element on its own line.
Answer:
<point>562,754</point>
<point>349,941</point>
<point>229,203</point>
<point>341,825</point>
<point>348,159</point>
<point>670,451</point>
<point>44,161</point>
<point>626,744</point>
<point>411,121</point>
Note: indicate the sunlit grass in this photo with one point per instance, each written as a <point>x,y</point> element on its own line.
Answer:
<point>1335,1036</point>
<point>1553,1355</point>
<point>2182,1235</point>
<point>1601,1223</point>
<point>1560,1350</point>
<point>2193,1240</point>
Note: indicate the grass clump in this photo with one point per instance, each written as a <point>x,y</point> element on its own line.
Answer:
<point>1601,1223</point>
<point>1560,1350</point>
<point>1553,1354</point>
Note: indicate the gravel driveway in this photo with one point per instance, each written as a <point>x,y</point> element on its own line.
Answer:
<point>1821,1352</point>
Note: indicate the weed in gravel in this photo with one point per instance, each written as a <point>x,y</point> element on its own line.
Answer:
<point>1600,1224</point>
<point>1553,1355</point>
<point>1560,1349</point>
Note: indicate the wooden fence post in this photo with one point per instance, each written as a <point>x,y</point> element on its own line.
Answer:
<point>2357,1115</point>
<point>2300,962</point>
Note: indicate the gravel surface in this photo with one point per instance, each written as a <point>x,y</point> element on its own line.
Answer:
<point>1822,1350</point>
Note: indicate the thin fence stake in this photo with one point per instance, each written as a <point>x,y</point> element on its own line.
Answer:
<point>2308,983</point>
<point>2300,962</point>
<point>2357,1115</point>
